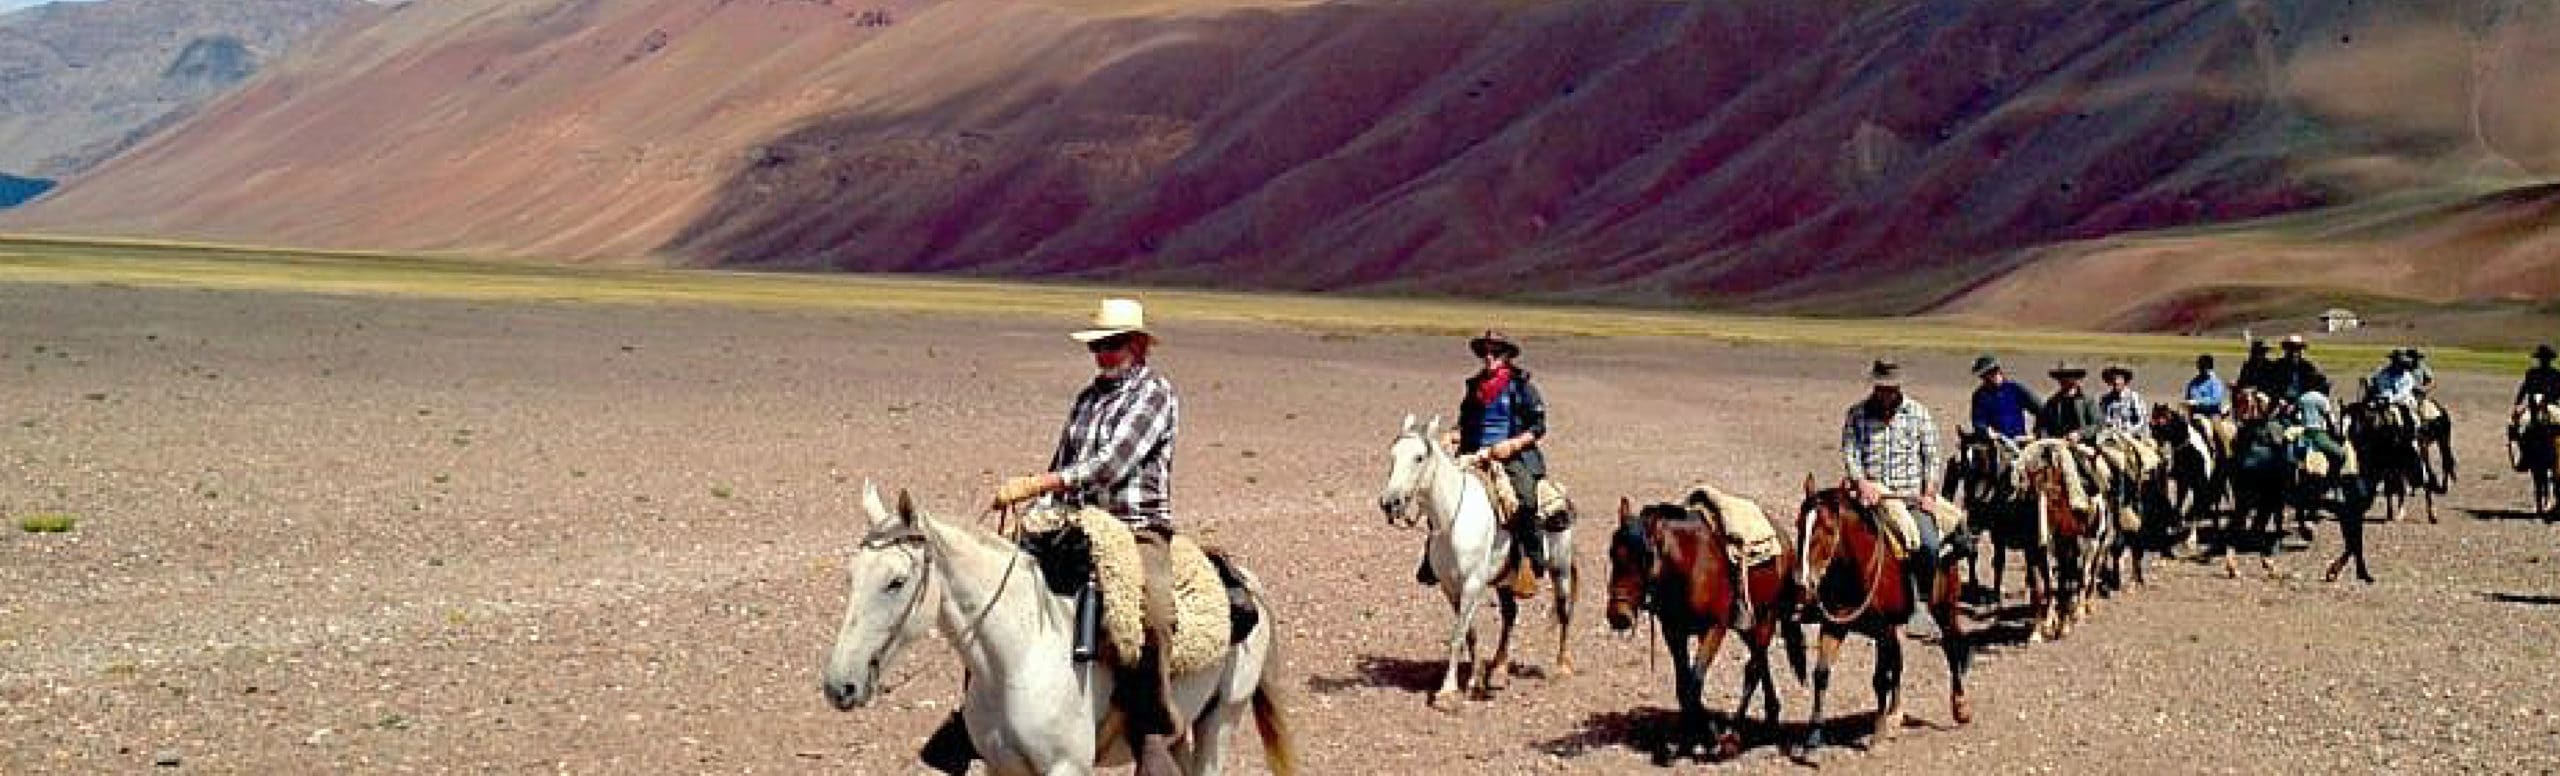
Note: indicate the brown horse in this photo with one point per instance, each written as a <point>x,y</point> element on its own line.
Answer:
<point>1671,561</point>
<point>1857,586</point>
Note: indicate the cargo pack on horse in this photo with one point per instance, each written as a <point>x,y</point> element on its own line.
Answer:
<point>1703,567</point>
<point>2071,522</point>
<point>1855,581</point>
<point>1031,706</point>
<point>1470,551</point>
<point>1985,477</point>
<point>2137,500</point>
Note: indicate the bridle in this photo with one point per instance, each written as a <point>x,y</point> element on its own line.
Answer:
<point>914,541</point>
<point>1418,482</point>
<point>1811,582</point>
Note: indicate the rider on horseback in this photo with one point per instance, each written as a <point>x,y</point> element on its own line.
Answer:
<point>1889,445</point>
<point>2295,373</point>
<point>2000,404</point>
<point>2069,413</point>
<point>2542,380</point>
<point>1502,417</point>
<point>1115,454</point>
<point>2397,382</point>
<point>2122,409</point>
<point>2259,372</point>
<point>2206,395</point>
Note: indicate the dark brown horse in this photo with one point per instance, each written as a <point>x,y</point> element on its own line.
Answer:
<point>1671,561</point>
<point>1857,586</point>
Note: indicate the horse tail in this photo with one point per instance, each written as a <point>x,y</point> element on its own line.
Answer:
<point>1270,721</point>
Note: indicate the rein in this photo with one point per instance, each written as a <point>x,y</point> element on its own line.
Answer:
<point>1875,570</point>
<point>914,540</point>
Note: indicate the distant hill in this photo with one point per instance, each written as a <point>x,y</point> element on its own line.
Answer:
<point>15,191</point>
<point>1821,156</point>
<point>80,82</point>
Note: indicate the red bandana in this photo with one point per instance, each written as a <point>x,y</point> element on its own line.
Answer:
<point>1492,386</point>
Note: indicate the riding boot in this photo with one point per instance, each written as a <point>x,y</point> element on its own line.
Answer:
<point>949,750</point>
<point>1533,543</point>
<point>1150,724</point>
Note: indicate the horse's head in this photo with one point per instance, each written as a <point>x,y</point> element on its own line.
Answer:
<point>1820,523</point>
<point>886,604</point>
<point>1634,560</point>
<point>1408,470</point>
<point>2250,405</point>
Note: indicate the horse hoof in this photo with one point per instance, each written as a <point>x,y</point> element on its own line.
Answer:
<point>1564,669</point>
<point>1442,702</point>
<point>1963,712</point>
<point>1728,746</point>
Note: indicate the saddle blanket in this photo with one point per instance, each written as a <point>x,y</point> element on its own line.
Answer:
<point>1751,539</point>
<point>1555,511</point>
<point>1202,628</point>
<point>1904,531</point>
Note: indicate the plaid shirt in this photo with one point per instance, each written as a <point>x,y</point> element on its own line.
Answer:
<point>1116,452</point>
<point>1895,452</point>
<point>2125,412</point>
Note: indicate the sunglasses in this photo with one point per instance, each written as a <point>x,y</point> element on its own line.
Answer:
<point>1108,344</point>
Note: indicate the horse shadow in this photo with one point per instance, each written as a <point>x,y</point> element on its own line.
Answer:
<point>1394,673</point>
<point>2510,514</point>
<point>1649,731</point>
<point>2527,599</point>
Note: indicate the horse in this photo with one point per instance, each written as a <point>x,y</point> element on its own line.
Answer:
<point>1468,551</point>
<point>2071,525</point>
<point>1984,476</point>
<point>2536,437</point>
<point>1857,586</point>
<point>2199,468</point>
<point>1030,707</point>
<point>2385,438</point>
<point>1671,561</point>
<point>2137,497</point>
<point>2435,446</point>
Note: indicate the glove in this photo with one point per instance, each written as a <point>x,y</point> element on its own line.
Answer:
<point>1869,494</point>
<point>1019,489</point>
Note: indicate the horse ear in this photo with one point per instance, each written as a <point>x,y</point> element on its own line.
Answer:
<point>871,507</point>
<point>1809,487</point>
<point>1626,508</point>
<point>906,507</point>
<point>1433,429</point>
<point>1408,423</point>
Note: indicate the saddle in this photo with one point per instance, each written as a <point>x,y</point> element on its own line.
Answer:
<point>1902,530</point>
<point>1555,511</point>
<point>2315,464</point>
<point>1212,608</point>
<point>1750,539</point>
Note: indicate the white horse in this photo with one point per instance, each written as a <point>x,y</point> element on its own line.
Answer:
<point>1468,549</point>
<point>1029,707</point>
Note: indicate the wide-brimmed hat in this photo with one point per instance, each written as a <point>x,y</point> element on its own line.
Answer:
<point>1493,342</point>
<point>2066,369</point>
<point>1985,364</point>
<point>2116,369</point>
<point>1885,372</point>
<point>2404,354</point>
<point>2545,353</point>
<point>2295,342</point>
<point>1114,318</point>
<point>2258,345</point>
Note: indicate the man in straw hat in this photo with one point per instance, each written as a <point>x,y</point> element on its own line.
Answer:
<point>1889,447</point>
<point>1116,454</point>
<point>1503,417</point>
<point>2122,408</point>
<point>2296,373</point>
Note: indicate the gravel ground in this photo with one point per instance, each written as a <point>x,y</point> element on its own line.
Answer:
<point>323,534</point>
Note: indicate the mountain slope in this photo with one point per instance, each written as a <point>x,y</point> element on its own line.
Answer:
<point>82,81</point>
<point>1810,155</point>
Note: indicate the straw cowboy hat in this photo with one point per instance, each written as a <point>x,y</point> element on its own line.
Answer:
<point>1491,342</point>
<point>1885,373</point>
<point>2066,369</point>
<point>2295,342</point>
<point>1116,317</point>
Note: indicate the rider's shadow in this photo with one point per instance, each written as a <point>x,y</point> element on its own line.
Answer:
<point>2508,514</point>
<point>1377,671</point>
<point>1649,730</point>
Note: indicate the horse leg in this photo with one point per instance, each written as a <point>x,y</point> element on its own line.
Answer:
<point>1959,651</point>
<point>1566,577</point>
<point>1755,673</point>
<point>1826,651</point>
<point>1205,752</point>
<point>1693,707</point>
<point>1888,684</point>
<point>1501,666</point>
<point>1687,683</point>
<point>1461,642</point>
<point>2040,594</point>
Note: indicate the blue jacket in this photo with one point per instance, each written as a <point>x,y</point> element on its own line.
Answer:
<point>2206,395</point>
<point>2004,409</point>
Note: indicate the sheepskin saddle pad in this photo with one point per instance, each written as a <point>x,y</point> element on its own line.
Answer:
<point>1751,539</point>
<point>1205,619</point>
<point>1555,512</point>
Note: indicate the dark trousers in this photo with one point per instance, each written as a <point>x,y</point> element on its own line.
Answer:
<point>1524,523</point>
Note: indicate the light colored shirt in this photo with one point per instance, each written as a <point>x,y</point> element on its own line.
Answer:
<point>2315,410</point>
<point>1116,452</point>
<point>2206,395</point>
<point>2396,385</point>
<point>2125,412</point>
<point>1895,452</point>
